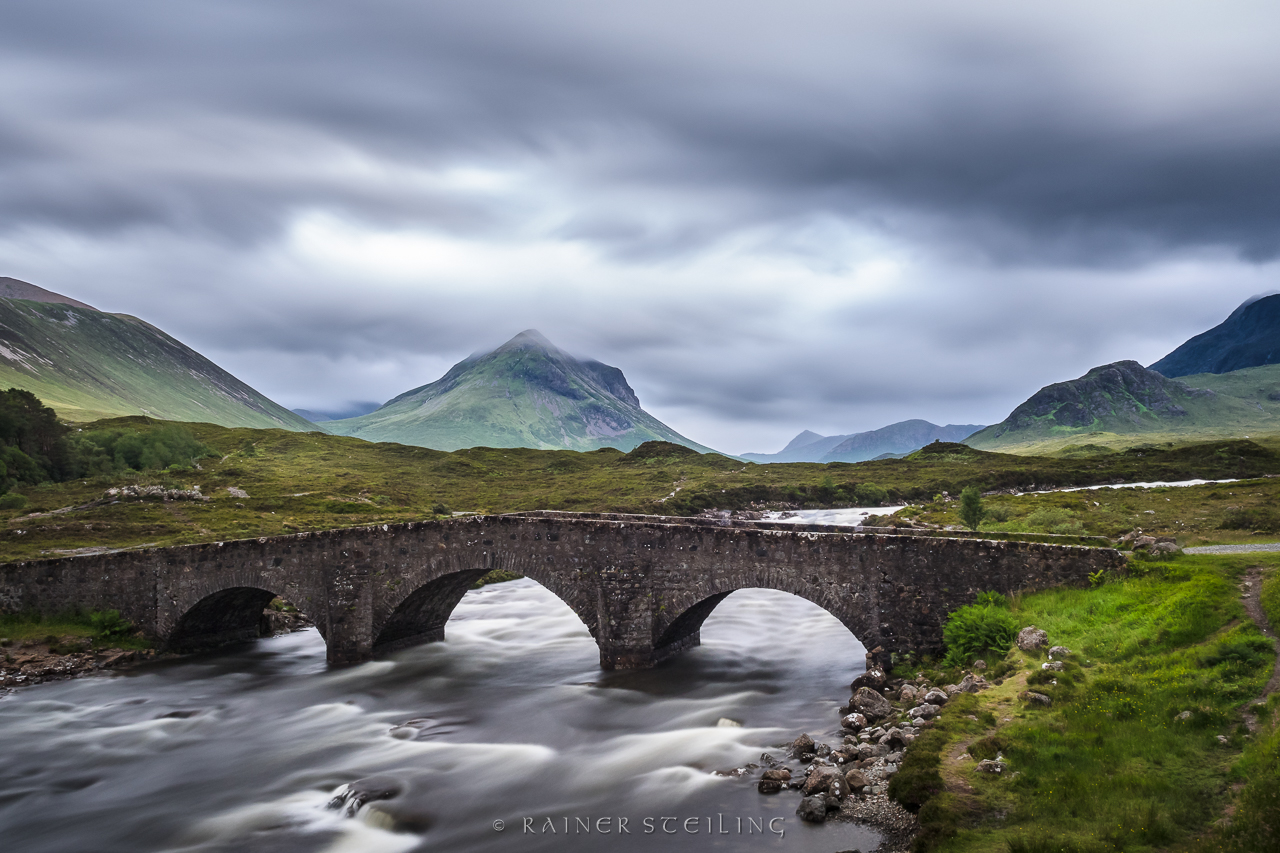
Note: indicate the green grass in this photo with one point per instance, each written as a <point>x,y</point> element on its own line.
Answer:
<point>1109,766</point>
<point>102,629</point>
<point>312,481</point>
<point>1271,599</point>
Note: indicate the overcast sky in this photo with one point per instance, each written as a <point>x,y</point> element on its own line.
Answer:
<point>772,216</point>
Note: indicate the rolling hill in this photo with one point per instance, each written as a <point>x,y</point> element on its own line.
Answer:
<point>526,393</point>
<point>895,439</point>
<point>1250,337</point>
<point>87,364</point>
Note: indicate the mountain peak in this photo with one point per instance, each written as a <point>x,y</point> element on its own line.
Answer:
<point>13,288</point>
<point>526,393</point>
<point>1250,337</point>
<point>529,339</point>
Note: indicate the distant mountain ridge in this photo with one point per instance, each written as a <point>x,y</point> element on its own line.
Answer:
<point>525,393</point>
<point>87,364</point>
<point>1125,399</point>
<point>1249,337</point>
<point>895,439</point>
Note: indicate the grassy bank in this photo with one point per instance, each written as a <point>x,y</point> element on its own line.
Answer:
<point>312,481</point>
<point>1143,746</point>
<point>100,629</point>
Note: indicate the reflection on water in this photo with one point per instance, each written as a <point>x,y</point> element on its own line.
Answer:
<point>509,720</point>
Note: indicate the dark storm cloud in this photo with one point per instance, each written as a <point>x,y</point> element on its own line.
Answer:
<point>1053,186</point>
<point>992,131</point>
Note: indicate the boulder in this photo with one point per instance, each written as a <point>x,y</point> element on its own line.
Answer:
<point>979,664</point>
<point>871,704</point>
<point>780,774</point>
<point>801,747</point>
<point>854,722</point>
<point>924,712</point>
<point>935,697</point>
<point>1032,639</point>
<point>1053,666</point>
<point>1059,652</point>
<point>856,780</point>
<point>1165,548</point>
<point>813,809</point>
<point>873,678</point>
<point>908,693</point>
<point>1033,698</point>
<point>991,765</point>
<point>820,780</point>
<point>1185,716</point>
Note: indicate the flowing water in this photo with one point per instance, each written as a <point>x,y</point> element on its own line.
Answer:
<point>510,719</point>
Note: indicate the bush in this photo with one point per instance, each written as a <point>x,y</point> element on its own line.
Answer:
<point>1251,519</point>
<point>440,509</point>
<point>110,625</point>
<point>974,631</point>
<point>12,500</point>
<point>107,450</point>
<point>869,494</point>
<point>971,511</point>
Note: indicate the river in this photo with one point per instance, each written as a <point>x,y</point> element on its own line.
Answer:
<point>512,721</point>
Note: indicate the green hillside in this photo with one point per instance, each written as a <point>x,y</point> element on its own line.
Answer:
<point>87,364</point>
<point>526,393</point>
<point>1124,404</point>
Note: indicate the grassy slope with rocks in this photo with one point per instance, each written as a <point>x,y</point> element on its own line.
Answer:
<point>1124,405</point>
<point>1143,747</point>
<point>526,393</point>
<point>88,364</point>
<point>312,481</point>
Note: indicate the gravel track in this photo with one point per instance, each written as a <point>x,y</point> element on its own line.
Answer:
<point>1233,549</point>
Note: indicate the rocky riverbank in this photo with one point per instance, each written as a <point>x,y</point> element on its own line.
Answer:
<point>849,781</point>
<point>52,658</point>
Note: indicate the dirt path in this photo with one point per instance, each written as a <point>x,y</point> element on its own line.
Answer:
<point>1252,601</point>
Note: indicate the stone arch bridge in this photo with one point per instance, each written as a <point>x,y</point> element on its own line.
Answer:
<point>643,585</point>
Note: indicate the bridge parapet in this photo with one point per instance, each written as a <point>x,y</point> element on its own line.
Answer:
<point>643,585</point>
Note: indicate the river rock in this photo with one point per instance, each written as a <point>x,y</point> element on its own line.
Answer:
<point>770,786</point>
<point>854,722</point>
<point>813,809</point>
<point>856,780</point>
<point>935,697</point>
<point>873,678</point>
<point>924,712</point>
<point>819,781</point>
<point>871,704</point>
<point>802,747</point>
<point>1032,639</point>
<point>780,774</point>
<point>351,797</point>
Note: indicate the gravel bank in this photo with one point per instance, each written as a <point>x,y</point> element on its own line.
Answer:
<point>896,824</point>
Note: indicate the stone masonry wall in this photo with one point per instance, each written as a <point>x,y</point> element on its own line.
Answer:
<point>642,585</point>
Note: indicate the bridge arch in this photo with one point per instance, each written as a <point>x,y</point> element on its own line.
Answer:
<point>678,624</point>
<point>419,609</point>
<point>229,615</point>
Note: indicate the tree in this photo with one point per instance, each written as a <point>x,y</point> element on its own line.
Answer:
<point>971,511</point>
